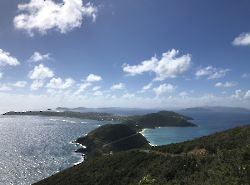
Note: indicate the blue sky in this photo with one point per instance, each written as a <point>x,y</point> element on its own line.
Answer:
<point>165,53</point>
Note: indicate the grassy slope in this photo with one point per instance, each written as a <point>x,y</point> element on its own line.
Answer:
<point>226,161</point>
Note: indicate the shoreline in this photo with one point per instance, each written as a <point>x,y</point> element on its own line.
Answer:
<point>78,152</point>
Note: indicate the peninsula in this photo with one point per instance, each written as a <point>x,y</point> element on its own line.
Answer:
<point>70,114</point>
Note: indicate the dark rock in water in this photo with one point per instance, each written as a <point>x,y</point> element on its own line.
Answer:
<point>81,150</point>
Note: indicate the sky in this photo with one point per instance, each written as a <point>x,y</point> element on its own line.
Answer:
<point>109,53</point>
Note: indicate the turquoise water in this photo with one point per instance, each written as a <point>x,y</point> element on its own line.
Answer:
<point>208,123</point>
<point>33,147</point>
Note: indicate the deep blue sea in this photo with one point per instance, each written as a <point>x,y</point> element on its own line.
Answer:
<point>208,123</point>
<point>35,147</point>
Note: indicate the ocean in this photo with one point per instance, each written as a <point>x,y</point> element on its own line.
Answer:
<point>35,147</point>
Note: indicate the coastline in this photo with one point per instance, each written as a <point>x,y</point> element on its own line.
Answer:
<point>142,132</point>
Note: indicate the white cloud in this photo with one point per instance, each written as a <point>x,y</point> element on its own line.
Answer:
<point>38,57</point>
<point>247,95</point>
<point>58,83</point>
<point>82,88</point>
<point>241,95</point>
<point>169,66</point>
<point>36,85</point>
<point>128,96</point>
<point>96,88</point>
<point>245,75</point>
<point>211,72</point>
<point>242,40</point>
<point>45,15</point>
<point>238,94</point>
<point>5,87</point>
<point>1,75</point>
<point>41,72</point>
<point>93,78</point>
<point>146,87</point>
<point>183,94</point>
<point>226,84</point>
<point>164,88</point>
<point>118,86</point>
<point>98,93</point>
<point>7,59</point>
<point>20,84</point>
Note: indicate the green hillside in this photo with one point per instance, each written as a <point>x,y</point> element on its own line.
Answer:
<point>222,158</point>
<point>159,119</point>
<point>112,137</point>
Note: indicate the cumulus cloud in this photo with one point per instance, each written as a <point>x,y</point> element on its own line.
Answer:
<point>5,87</point>
<point>45,15</point>
<point>247,95</point>
<point>245,75</point>
<point>36,84</point>
<point>96,88</point>
<point>183,94</point>
<point>38,57</point>
<point>58,83</point>
<point>20,84</point>
<point>211,72</point>
<point>7,59</point>
<point>241,95</point>
<point>238,94</point>
<point>83,87</point>
<point>242,40</point>
<point>98,93</point>
<point>226,84</point>
<point>164,88</point>
<point>128,96</point>
<point>93,78</point>
<point>41,72</point>
<point>170,65</point>
<point>146,87</point>
<point>118,86</point>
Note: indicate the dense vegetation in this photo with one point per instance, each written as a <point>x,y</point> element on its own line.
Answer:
<point>222,158</point>
<point>159,119</point>
<point>125,136</point>
<point>112,137</point>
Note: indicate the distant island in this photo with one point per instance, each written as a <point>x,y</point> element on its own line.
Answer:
<point>220,109</point>
<point>81,115</point>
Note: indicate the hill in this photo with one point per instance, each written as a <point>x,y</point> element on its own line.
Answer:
<point>112,137</point>
<point>125,136</point>
<point>159,119</point>
<point>112,110</point>
<point>216,109</point>
<point>222,158</point>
